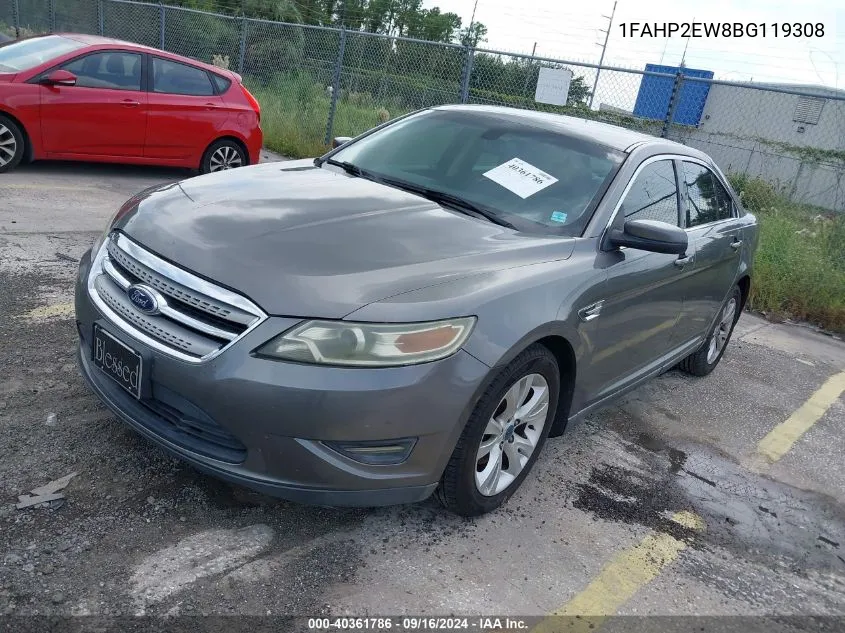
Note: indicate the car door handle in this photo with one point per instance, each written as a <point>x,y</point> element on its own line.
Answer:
<point>130,104</point>
<point>736,244</point>
<point>683,261</point>
<point>211,106</point>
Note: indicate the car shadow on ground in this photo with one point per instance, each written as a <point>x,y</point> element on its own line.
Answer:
<point>103,170</point>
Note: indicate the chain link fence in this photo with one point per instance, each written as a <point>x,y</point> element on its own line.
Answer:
<point>316,82</point>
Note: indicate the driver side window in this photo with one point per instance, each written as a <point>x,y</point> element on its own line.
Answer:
<point>654,194</point>
<point>114,70</point>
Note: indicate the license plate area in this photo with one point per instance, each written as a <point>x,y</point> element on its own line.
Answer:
<point>118,361</point>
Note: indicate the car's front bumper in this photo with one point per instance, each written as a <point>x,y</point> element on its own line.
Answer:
<point>279,415</point>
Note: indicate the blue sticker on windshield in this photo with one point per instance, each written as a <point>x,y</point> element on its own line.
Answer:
<point>559,216</point>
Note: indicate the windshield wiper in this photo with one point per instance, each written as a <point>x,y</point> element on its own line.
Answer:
<point>456,202</point>
<point>354,170</point>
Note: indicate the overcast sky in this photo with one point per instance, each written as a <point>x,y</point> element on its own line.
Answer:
<point>570,30</point>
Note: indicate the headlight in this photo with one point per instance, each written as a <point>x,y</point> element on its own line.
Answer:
<point>369,344</point>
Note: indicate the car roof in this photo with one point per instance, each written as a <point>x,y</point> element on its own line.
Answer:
<point>100,41</point>
<point>612,136</point>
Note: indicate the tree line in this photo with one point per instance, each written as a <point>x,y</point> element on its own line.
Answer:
<point>402,18</point>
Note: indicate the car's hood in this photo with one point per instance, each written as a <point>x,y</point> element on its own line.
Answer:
<point>313,242</point>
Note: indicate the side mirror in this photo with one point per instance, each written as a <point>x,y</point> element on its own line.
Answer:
<point>337,141</point>
<point>60,78</point>
<point>651,235</point>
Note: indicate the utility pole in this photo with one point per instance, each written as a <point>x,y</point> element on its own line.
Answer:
<point>684,56</point>
<point>609,19</point>
<point>472,21</point>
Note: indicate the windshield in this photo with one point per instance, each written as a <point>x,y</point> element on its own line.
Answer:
<point>525,173</point>
<point>27,54</point>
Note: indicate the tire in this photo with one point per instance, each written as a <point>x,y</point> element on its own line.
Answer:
<point>222,155</point>
<point>703,361</point>
<point>531,377</point>
<point>12,144</point>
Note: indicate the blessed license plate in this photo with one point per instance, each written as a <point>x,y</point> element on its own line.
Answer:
<point>121,363</point>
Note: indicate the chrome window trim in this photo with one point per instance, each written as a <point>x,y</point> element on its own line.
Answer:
<point>722,181</point>
<point>672,157</point>
<point>99,267</point>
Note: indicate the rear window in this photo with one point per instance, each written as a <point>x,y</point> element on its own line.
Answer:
<point>180,79</point>
<point>221,83</point>
<point>28,54</point>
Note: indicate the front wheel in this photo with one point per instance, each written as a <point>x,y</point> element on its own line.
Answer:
<point>503,436</point>
<point>12,145</point>
<point>223,155</point>
<point>704,361</point>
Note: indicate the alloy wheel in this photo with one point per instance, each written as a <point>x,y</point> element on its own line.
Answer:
<point>512,434</point>
<point>8,145</point>
<point>720,335</point>
<point>226,157</point>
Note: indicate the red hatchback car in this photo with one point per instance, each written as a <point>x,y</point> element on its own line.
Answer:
<point>82,97</point>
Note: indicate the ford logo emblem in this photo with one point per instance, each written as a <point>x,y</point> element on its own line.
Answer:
<point>143,298</point>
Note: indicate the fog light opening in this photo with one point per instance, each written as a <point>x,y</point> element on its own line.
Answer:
<point>382,453</point>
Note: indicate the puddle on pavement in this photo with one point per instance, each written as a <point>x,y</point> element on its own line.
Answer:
<point>746,513</point>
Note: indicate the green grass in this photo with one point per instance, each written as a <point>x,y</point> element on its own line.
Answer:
<point>800,264</point>
<point>295,109</point>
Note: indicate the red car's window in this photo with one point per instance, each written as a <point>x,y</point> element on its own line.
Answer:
<point>28,54</point>
<point>180,79</point>
<point>112,69</point>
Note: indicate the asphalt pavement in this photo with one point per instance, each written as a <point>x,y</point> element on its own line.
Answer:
<point>717,496</point>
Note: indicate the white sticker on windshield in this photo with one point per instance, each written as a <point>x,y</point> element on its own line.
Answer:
<point>520,177</point>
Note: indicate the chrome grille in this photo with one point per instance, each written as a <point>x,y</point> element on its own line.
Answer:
<point>195,319</point>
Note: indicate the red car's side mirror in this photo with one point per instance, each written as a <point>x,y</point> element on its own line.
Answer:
<point>60,78</point>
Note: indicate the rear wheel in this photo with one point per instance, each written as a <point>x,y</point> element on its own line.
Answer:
<point>222,155</point>
<point>708,356</point>
<point>503,436</point>
<point>12,144</point>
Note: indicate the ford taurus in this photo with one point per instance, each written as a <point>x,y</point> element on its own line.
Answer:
<point>416,311</point>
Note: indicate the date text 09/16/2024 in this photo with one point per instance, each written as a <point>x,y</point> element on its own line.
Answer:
<point>420,623</point>
<point>722,29</point>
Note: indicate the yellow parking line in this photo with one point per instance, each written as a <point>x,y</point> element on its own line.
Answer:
<point>48,312</point>
<point>620,579</point>
<point>780,439</point>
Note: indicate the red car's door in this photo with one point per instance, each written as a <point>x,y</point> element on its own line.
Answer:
<point>185,114</point>
<point>104,114</point>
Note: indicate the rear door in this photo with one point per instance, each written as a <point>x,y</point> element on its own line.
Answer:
<point>186,113</point>
<point>632,328</point>
<point>715,236</point>
<point>105,113</point>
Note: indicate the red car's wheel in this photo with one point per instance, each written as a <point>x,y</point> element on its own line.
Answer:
<point>222,155</point>
<point>12,144</point>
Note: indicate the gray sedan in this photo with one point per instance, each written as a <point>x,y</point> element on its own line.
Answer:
<point>418,310</point>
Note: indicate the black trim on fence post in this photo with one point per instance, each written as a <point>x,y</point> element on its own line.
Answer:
<point>673,103</point>
<point>16,16</point>
<point>336,85</point>
<point>52,16</point>
<point>101,18</point>
<point>242,46</point>
<point>467,73</point>
<point>161,22</point>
